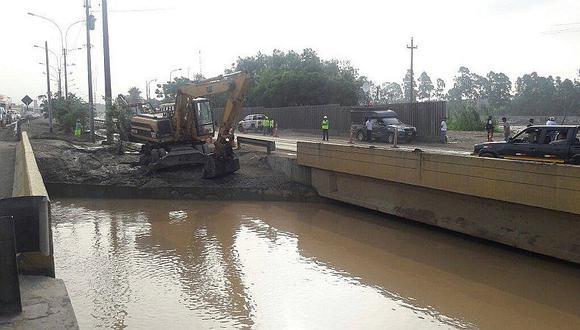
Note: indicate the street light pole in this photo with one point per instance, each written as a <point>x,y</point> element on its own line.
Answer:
<point>171,72</point>
<point>61,43</point>
<point>64,53</point>
<point>49,99</point>
<point>89,72</point>
<point>58,68</point>
<point>147,88</point>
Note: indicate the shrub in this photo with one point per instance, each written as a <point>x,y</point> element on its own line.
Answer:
<point>466,118</point>
<point>68,111</point>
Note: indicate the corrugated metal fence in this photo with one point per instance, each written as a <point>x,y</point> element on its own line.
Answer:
<point>426,116</point>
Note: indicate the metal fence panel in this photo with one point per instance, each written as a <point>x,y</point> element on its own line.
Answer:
<point>425,116</point>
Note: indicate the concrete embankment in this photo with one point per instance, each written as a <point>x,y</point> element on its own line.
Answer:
<point>28,182</point>
<point>44,299</point>
<point>526,205</point>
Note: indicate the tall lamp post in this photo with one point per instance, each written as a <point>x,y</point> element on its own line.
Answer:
<point>62,44</point>
<point>58,78</point>
<point>57,65</point>
<point>171,73</point>
<point>64,54</point>
<point>147,88</point>
<point>49,100</point>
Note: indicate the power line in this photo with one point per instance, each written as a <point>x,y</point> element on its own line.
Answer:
<point>139,10</point>
<point>566,24</point>
<point>569,30</point>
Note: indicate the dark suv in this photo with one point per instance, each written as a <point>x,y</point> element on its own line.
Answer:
<point>385,124</point>
<point>555,144</point>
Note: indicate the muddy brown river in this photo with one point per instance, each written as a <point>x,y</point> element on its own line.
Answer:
<point>192,264</point>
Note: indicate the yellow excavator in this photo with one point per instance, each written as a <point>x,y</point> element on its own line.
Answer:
<point>184,135</point>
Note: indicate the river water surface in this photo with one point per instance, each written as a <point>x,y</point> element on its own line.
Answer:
<point>193,264</point>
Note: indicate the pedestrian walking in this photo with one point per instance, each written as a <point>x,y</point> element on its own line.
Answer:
<point>489,129</point>
<point>369,127</point>
<point>531,122</point>
<point>551,121</point>
<point>506,129</point>
<point>325,125</point>
<point>443,131</point>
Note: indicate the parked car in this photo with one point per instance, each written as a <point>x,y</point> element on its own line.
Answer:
<point>385,124</point>
<point>555,144</point>
<point>253,122</point>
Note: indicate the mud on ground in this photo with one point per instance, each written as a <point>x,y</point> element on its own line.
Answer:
<point>82,163</point>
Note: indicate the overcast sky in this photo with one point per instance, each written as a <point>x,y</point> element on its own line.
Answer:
<point>149,38</point>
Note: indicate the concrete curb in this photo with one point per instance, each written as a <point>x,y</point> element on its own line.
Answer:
<point>27,178</point>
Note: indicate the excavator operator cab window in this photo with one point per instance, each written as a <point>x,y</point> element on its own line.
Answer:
<point>204,117</point>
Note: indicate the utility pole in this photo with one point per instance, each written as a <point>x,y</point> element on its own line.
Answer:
<point>49,99</point>
<point>107,64</point>
<point>59,84</point>
<point>200,68</point>
<point>147,89</point>
<point>412,96</point>
<point>88,24</point>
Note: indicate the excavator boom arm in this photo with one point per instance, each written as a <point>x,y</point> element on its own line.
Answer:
<point>235,84</point>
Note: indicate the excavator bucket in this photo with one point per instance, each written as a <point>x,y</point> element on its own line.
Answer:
<point>216,166</point>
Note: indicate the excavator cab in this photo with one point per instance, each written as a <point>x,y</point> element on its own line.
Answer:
<point>204,125</point>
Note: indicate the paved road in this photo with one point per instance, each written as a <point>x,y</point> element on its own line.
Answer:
<point>288,144</point>
<point>7,151</point>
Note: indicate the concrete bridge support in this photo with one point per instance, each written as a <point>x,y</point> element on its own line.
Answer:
<point>525,205</point>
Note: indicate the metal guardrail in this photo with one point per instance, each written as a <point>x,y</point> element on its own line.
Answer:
<point>268,144</point>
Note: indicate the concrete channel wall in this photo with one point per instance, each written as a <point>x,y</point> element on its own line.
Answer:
<point>527,205</point>
<point>27,178</point>
<point>28,182</point>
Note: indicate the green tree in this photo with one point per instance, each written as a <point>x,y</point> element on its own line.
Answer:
<point>391,92</point>
<point>440,90</point>
<point>409,92</point>
<point>498,89</point>
<point>426,87</point>
<point>468,86</point>
<point>290,79</point>
<point>168,91</point>
<point>567,97</point>
<point>134,95</point>
<point>534,94</point>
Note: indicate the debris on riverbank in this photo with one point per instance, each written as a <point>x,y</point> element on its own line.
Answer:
<point>63,162</point>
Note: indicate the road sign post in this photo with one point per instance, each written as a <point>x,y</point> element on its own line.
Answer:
<point>26,100</point>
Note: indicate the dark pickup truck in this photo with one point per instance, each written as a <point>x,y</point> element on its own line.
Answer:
<point>554,144</point>
<point>385,124</point>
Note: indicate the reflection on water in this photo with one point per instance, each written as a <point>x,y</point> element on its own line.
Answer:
<point>193,264</point>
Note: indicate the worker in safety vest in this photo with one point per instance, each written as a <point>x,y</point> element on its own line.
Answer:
<point>325,125</point>
<point>265,125</point>
<point>78,128</point>
<point>271,126</point>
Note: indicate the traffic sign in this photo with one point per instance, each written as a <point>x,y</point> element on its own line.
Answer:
<point>26,100</point>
